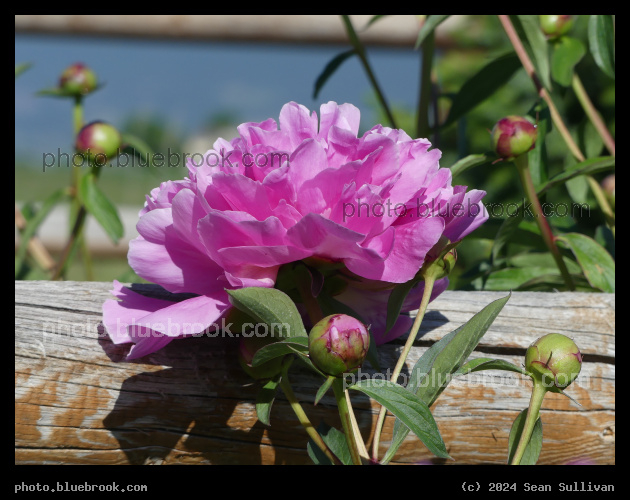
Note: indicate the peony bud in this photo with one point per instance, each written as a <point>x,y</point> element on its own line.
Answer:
<point>99,141</point>
<point>555,359</point>
<point>78,79</point>
<point>513,136</point>
<point>338,344</point>
<point>247,349</point>
<point>556,26</point>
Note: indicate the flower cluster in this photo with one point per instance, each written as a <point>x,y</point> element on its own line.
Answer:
<point>277,194</point>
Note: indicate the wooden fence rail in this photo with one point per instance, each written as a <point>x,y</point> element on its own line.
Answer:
<point>76,402</point>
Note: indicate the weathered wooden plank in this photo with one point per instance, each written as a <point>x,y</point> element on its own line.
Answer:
<point>191,403</point>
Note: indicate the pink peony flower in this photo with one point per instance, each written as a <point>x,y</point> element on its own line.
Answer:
<point>279,194</point>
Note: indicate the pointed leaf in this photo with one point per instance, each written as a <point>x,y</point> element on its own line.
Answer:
<point>374,19</point>
<point>21,68</point>
<point>528,29</point>
<point>587,167</point>
<point>480,364</point>
<point>396,299</point>
<point>336,441</point>
<point>324,389</point>
<point>470,161</point>
<point>595,261</point>
<point>409,409</point>
<point>434,369</point>
<point>532,451</point>
<point>483,85</point>
<point>330,68</point>
<point>265,398</point>
<point>294,345</point>
<point>272,307</point>
<point>103,210</point>
<point>601,39</point>
<point>428,27</point>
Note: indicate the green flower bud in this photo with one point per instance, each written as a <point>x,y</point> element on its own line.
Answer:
<point>98,141</point>
<point>248,348</point>
<point>556,26</point>
<point>513,136</point>
<point>555,359</point>
<point>78,79</point>
<point>338,344</point>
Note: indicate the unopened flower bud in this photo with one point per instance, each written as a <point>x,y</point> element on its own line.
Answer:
<point>555,359</point>
<point>513,136</point>
<point>338,344</point>
<point>248,348</point>
<point>98,141</point>
<point>78,79</point>
<point>556,26</point>
<point>608,185</point>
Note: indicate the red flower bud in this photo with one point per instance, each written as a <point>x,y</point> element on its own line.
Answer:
<point>513,136</point>
<point>98,141</point>
<point>338,344</point>
<point>78,79</point>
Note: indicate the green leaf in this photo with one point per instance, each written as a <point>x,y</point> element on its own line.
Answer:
<point>483,85</point>
<point>433,370</point>
<point>587,167</point>
<point>479,364</point>
<point>336,441</point>
<point>532,451</point>
<point>374,19</point>
<point>470,161</point>
<point>538,156</point>
<point>33,224</point>
<point>578,189</point>
<point>506,231</point>
<point>396,299</point>
<point>138,147</point>
<point>330,68</point>
<point>294,345</point>
<point>272,307</point>
<point>601,33</point>
<point>567,52</point>
<point>100,207</point>
<point>545,260</point>
<point>409,409</point>
<point>512,278</point>
<point>324,389</point>
<point>528,29</point>
<point>595,261</point>
<point>265,398</point>
<point>428,27</point>
<point>21,68</point>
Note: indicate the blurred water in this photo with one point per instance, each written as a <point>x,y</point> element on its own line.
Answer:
<point>188,82</point>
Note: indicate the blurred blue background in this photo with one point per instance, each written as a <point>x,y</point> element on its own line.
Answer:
<point>191,84</point>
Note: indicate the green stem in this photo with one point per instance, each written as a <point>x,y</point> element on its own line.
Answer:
<point>87,259</point>
<point>592,113</point>
<point>429,281</point>
<point>301,416</point>
<point>556,118</point>
<point>522,166</point>
<point>426,86</point>
<point>346,420</point>
<point>360,50</point>
<point>75,207</point>
<point>538,394</point>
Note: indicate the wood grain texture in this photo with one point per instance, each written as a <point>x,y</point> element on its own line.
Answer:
<point>78,402</point>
